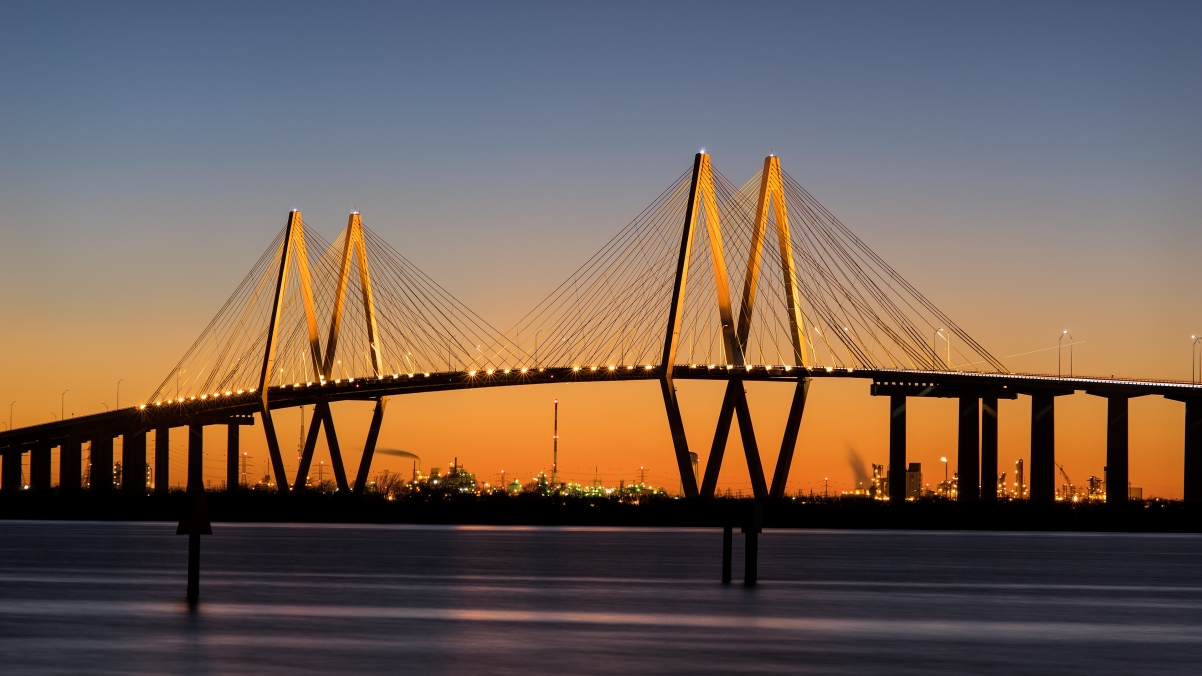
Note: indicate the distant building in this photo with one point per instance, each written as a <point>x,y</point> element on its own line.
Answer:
<point>914,480</point>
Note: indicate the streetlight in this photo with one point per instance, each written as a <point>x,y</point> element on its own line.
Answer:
<point>119,394</point>
<point>62,404</point>
<point>934,342</point>
<point>944,461</point>
<point>1070,353</point>
<point>10,415</point>
<point>1193,356</point>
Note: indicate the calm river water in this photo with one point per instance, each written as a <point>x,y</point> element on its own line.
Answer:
<point>107,598</point>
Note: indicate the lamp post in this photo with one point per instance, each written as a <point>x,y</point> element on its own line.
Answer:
<point>1194,359</point>
<point>1059,341</point>
<point>10,414</point>
<point>119,394</point>
<point>935,341</point>
<point>62,403</point>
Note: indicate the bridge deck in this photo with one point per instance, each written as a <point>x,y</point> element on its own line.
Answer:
<point>222,407</point>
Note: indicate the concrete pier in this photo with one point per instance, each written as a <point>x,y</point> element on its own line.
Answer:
<point>70,464</point>
<point>897,448</point>
<point>162,460</point>
<point>133,463</point>
<point>1117,476</point>
<point>12,480</point>
<point>989,473</point>
<point>1043,448</point>
<point>39,466</point>
<point>196,443</point>
<point>1193,450</point>
<point>232,475</point>
<point>968,450</point>
<point>102,463</point>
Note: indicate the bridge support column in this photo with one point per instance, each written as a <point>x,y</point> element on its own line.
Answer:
<point>39,466</point>
<point>306,459</point>
<point>12,479</point>
<point>897,449</point>
<point>335,450</point>
<point>369,448</point>
<point>968,451</point>
<point>788,444</point>
<point>1117,437</point>
<point>233,478</point>
<point>162,460</point>
<point>101,471</point>
<point>133,463</point>
<point>1043,448</point>
<point>713,464</point>
<point>989,449</point>
<point>273,449</point>
<point>1193,450</point>
<point>196,443</point>
<point>70,464</point>
<point>680,442</point>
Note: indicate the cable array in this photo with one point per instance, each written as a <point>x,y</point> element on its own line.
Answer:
<point>422,328</point>
<point>856,310</point>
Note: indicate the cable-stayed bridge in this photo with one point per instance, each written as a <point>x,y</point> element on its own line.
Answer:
<point>712,281</point>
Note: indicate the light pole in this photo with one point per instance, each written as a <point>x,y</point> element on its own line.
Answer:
<point>10,414</point>
<point>1059,341</point>
<point>62,403</point>
<point>1194,357</point>
<point>119,394</point>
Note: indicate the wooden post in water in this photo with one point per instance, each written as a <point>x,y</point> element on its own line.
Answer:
<point>195,522</point>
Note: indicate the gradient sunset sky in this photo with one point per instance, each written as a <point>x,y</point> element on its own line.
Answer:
<point>1031,167</point>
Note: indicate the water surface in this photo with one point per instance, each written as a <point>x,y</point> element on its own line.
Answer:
<point>108,598</point>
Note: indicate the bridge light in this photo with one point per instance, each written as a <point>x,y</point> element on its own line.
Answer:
<point>337,381</point>
<point>611,367</point>
<point>251,390</point>
<point>240,391</point>
<point>410,375</point>
<point>506,371</point>
<point>142,407</point>
<point>228,393</point>
<point>158,403</point>
<point>593,368</point>
<point>427,375</point>
<point>647,367</point>
<point>471,373</point>
<point>489,372</point>
<point>523,369</point>
<point>788,368</point>
<point>575,368</point>
<point>830,369</point>
<point>711,366</point>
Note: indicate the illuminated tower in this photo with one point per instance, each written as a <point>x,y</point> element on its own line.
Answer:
<point>555,450</point>
<point>1020,489</point>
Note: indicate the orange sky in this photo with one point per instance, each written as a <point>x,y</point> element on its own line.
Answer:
<point>1027,177</point>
